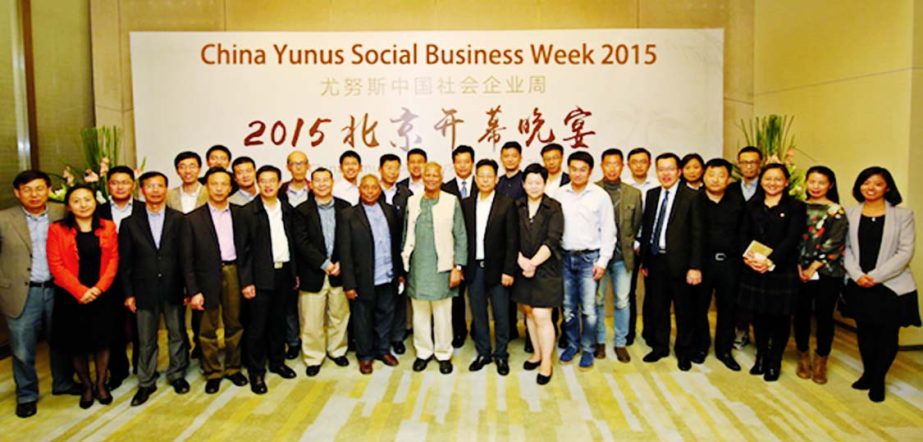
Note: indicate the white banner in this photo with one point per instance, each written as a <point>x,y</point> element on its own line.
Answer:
<point>265,94</point>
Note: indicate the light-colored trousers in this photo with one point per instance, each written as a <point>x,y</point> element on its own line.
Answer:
<point>439,314</point>
<point>324,316</point>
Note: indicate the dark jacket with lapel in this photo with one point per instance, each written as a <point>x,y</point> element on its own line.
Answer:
<point>310,246</point>
<point>399,202</point>
<point>501,238</point>
<point>256,264</point>
<point>149,273</point>
<point>357,247</point>
<point>685,233</point>
<point>202,255</point>
<point>105,212</point>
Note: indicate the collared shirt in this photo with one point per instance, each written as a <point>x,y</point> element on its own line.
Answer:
<point>589,221</point>
<point>511,186</point>
<point>328,224</point>
<point>416,186</point>
<point>224,229</point>
<point>347,191</point>
<point>749,190</point>
<point>118,214</point>
<point>381,236</point>
<point>643,187</point>
<point>296,196</point>
<point>188,200</point>
<point>389,193</point>
<point>465,186</point>
<point>242,197</point>
<point>670,196</point>
<point>38,233</point>
<point>277,236</point>
<point>155,219</point>
<point>482,211</point>
<point>553,183</point>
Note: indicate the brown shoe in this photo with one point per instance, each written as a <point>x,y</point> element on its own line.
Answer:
<point>365,367</point>
<point>804,366</point>
<point>600,351</point>
<point>820,370</point>
<point>621,353</point>
<point>389,360</point>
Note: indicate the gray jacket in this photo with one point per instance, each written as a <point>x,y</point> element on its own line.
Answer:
<point>16,257</point>
<point>897,241</point>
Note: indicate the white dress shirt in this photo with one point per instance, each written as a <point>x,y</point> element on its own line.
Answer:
<point>119,213</point>
<point>389,193</point>
<point>347,191</point>
<point>416,186</point>
<point>277,236</point>
<point>553,184</point>
<point>482,212</point>
<point>188,200</point>
<point>589,221</point>
<point>648,184</point>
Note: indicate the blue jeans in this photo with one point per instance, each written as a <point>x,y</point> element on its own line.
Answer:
<point>580,299</point>
<point>620,278</point>
<point>24,334</point>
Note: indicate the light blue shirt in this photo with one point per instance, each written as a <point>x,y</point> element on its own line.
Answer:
<point>749,189</point>
<point>155,219</point>
<point>38,232</point>
<point>381,236</point>
<point>328,224</point>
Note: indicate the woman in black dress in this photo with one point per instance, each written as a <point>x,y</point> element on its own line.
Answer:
<point>83,258</point>
<point>881,295</point>
<point>540,287</point>
<point>769,282</point>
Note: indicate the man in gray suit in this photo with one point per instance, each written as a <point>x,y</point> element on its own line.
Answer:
<point>26,288</point>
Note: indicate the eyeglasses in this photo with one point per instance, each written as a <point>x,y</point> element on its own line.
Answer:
<point>749,163</point>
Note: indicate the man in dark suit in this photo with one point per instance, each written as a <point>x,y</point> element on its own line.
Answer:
<point>370,239</point>
<point>671,260</point>
<point>750,162</point>
<point>461,186</point>
<point>553,159</point>
<point>322,305</point>
<point>492,226</point>
<point>389,169</point>
<point>151,282</point>
<point>267,275</point>
<point>120,181</point>
<point>212,244</point>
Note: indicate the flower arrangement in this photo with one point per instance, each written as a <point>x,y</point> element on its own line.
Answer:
<point>772,135</point>
<point>101,150</point>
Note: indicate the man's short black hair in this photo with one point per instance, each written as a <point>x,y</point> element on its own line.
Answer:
<point>120,169</point>
<point>152,174</point>
<point>269,168</point>
<point>581,156</point>
<point>213,170</point>
<point>350,154</point>
<point>750,149</point>
<point>321,170</point>
<point>388,157</point>
<point>639,151</point>
<point>30,175</point>
<point>668,156</point>
<point>417,151</point>
<point>512,145</point>
<point>489,163</point>
<point>218,148</point>
<point>716,163</point>
<point>462,149</point>
<point>552,146</point>
<point>611,151</point>
<point>185,155</point>
<point>242,160</point>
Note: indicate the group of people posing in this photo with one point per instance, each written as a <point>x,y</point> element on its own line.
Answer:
<point>311,268</point>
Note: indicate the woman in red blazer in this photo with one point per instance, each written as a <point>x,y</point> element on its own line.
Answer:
<point>83,258</point>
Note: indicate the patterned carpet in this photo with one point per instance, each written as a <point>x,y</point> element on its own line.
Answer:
<point>611,401</point>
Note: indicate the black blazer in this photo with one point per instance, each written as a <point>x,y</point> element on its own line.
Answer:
<point>357,248</point>
<point>105,212</point>
<point>781,228</point>
<point>737,190</point>
<point>501,238</point>
<point>399,202</point>
<point>685,233</point>
<point>146,272</point>
<point>310,248</point>
<point>451,186</point>
<point>255,265</point>
<point>202,255</point>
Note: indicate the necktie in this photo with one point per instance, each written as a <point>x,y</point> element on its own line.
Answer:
<point>658,226</point>
<point>464,189</point>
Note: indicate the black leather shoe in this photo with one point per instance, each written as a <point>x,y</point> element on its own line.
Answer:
<point>180,386</point>
<point>258,384</point>
<point>103,396</point>
<point>292,353</point>
<point>196,353</point>
<point>284,371</point>
<point>445,367</point>
<point>141,395</point>
<point>630,339</point>
<point>529,366</point>
<point>341,361</point>
<point>27,409</point>
<point>237,379</point>
<point>74,390</point>
<point>877,393</point>
<point>115,382</point>
<point>698,357</point>
<point>420,364</point>
<point>312,370</point>
<point>684,364</point>
<point>862,383</point>
<point>528,347</point>
<point>758,366</point>
<point>212,386</point>
<point>503,366</point>
<point>653,356</point>
<point>458,342</point>
<point>398,347</point>
<point>771,375</point>
<point>479,363</point>
<point>729,362</point>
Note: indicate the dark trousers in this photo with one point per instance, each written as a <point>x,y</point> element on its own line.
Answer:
<point>264,333</point>
<point>633,301</point>
<point>720,278</point>
<point>292,326</point>
<point>662,289</point>
<point>373,321</point>
<point>399,326</point>
<point>771,333</point>
<point>499,297</point>
<point>878,348</point>
<point>816,299</point>
<point>125,326</point>
<point>459,317</point>
<point>148,324</point>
